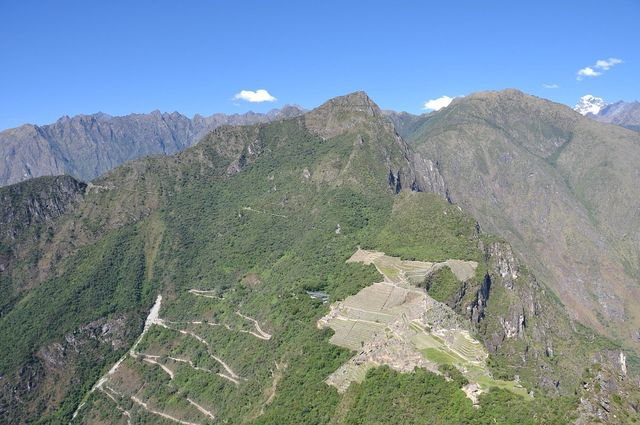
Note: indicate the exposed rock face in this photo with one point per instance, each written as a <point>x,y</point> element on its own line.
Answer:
<point>28,216</point>
<point>523,328</point>
<point>342,114</point>
<point>478,306</point>
<point>506,310</point>
<point>86,146</point>
<point>607,393</point>
<point>428,177</point>
<point>357,115</point>
<point>506,263</point>
<point>625,114</point>
<point>43,382</point>
<point>38,201</point>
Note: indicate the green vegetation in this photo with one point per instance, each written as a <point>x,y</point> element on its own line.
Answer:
<point>103,279</point>
<point>441,357</point>
<point>388,397</point>
<point>442,284</point>
<point>516,161</point>
<point>454,374</point>
<point>423,227</point>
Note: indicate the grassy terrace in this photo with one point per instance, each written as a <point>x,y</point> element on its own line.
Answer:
<point>387,317</point>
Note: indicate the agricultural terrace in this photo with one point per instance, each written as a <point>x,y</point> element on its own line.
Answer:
<point>389,323</point>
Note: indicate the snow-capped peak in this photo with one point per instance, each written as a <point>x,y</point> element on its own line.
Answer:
<point>589,104</point>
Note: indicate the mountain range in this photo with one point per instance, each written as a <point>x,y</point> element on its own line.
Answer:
<point>86,146</point>
<point>345,265</point>
<point>625,114</point>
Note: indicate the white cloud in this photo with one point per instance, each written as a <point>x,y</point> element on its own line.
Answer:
<point>588,72</point>
<point>599,68</point>
<point>260,95</point>
<point>607,63</point>
<point>439,103</point>
<point>551,86</point>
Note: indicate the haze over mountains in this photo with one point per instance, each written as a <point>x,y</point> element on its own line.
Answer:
<point>234,230</point>
<point>86,146</point>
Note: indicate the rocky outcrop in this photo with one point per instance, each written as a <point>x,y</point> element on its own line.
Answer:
<point>607,393</point>
<point>625,114</point>
<point>86,146</point>
<point>358,116</point>
<point>521,295</point>
<point>43,382</point>
<point>343,114</point>
<point>36,202</point>
<point>526,333</point>
<point>28,215</point>
<point>428,177</point>
<point>479,304</point>
<point>505,262</point>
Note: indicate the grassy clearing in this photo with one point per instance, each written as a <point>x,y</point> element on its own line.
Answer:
<point>440,356</point>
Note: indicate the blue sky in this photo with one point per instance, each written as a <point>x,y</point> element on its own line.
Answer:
<point>68,57</point>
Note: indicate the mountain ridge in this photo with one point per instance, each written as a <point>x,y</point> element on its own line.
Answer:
<point>625,114</point>
<point>86,146</point>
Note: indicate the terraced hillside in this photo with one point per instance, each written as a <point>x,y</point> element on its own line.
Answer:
<point>394,322</point>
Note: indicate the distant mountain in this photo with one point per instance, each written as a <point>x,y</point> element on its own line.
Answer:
<point>86,146</point>
<point>625,114</point>
<point>404,122</point>
<point>589,104</point>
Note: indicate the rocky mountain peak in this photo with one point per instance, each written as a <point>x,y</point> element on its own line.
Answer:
<point>343,113</point>
<point>86,146</point>
<point>287,111</point>
<point>589,104</point>
<point>353,102</point>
